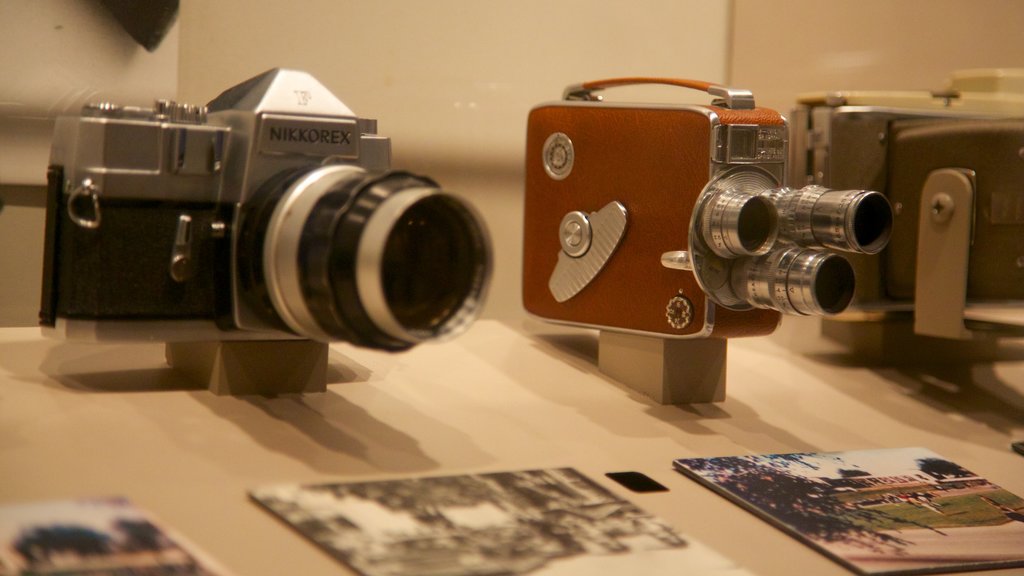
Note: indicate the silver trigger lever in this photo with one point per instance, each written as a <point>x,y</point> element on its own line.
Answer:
<point>588,242</point>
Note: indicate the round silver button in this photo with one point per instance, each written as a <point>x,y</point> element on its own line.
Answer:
<point>575,233</point>
<point>558,156</point>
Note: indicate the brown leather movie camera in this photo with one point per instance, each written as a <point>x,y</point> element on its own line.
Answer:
<point>675,220</point>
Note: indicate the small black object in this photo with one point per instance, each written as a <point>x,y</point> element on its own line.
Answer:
<point>637,481</point>
<point>146,22</point>
<point>1018,447</point>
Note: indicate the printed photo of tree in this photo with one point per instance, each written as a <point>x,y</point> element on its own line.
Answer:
<point>892,511</point>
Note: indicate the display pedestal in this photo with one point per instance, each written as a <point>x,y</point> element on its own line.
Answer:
<point>252,367</point>
<point>668,371</point>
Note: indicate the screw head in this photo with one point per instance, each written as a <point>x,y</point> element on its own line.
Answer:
<point>942,207</point>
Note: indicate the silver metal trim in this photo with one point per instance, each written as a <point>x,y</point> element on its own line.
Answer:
<point>370,258</point>
<point>733,98</point>
<point>281,246</point>
<point>786,280</point>
<point>576,92</point>
<point>181,267</point>
<point>558,156</point>
<point>369,268</point>
<point>712,271</point>
<point>709,325</point>
<point>819,216</point>
<point>722,222</point>
<point>573,274</point>
<point>86,189</point>
<point>677,260</point>
<point>310,136</point>
<point>575,233</point>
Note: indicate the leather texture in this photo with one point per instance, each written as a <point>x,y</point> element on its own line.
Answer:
<point>655,161</point>
<point>632,80</point>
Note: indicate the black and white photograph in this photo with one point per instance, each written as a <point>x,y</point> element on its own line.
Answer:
<point>103,536</point>
<point>500,523</point>
<point>890,511</point>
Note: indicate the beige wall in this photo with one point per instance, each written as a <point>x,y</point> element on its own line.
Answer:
<point>781,49</point>
<point>449,78</point>
<point>451,82</point>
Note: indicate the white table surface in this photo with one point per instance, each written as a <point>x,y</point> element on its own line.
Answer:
<point>81,420</point>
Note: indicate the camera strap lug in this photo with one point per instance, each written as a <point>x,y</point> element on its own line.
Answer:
<point>87,191</point>
<point>725,97</point>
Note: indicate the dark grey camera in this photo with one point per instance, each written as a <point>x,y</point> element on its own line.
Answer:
<point>937,157</point>
<point>270,214</point>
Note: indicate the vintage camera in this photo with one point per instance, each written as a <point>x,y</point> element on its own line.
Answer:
<point>271,214</point>
<point>919,149</point>
<point>674,221</point>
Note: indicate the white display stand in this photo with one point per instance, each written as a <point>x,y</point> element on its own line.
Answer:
<point>666,370</point>
<point>252,367</point>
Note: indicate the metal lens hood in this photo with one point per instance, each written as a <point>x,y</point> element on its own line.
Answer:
<point>385,262</point>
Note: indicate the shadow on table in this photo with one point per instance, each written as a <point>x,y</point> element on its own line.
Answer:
<point>142,367</point>
<point>580,348</point>
<point>981,380</point>
<point>326,432</point>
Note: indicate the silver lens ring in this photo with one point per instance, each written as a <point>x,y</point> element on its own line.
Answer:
<point>739,224</point>
<point>796,280</point>
<point>370,266</point>
<point>281,247</point>
<point>864,216</point>
<point>847,220</point>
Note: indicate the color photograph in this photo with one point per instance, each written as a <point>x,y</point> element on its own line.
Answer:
<point>99,537</point>
<point>894,511</point>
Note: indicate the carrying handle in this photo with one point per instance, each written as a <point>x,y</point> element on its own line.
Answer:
<point>734,98</point>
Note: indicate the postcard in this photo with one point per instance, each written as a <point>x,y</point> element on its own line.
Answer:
<point>553,521</point>
<point>94,536</point>
<point>892,511</point>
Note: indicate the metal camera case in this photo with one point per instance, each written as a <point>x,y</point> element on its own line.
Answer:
<point>600,160</point>
<point>148,210</point>
<point>892,142</point>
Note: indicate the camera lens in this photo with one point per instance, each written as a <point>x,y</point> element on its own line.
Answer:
<point>872,222</point>
<point>848,220</point>
<point>738,224</point>
<point>418,263</point>
<point>384,262</point>
<point>795,280</point>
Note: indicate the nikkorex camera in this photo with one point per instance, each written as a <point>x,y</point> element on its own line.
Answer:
<point>270,214</point>
<point>940,157</point>
<point>675,221</point>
